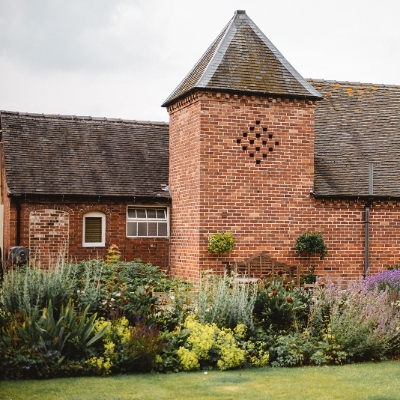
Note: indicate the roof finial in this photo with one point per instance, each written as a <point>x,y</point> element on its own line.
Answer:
<point>240,12</point>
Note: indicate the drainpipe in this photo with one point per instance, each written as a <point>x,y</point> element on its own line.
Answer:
<point>366,220</point>
<point>18,222</point>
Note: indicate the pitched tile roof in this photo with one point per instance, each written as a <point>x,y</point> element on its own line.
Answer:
<point>243,59</point>
<point>52,154</point>
<point>356,124</point>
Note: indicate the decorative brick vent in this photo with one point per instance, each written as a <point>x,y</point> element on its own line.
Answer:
<point>48,236</point>
<point>257,142</point>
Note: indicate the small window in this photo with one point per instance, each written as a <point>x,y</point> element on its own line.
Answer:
<point>94,229</point>
<point>147,222</point>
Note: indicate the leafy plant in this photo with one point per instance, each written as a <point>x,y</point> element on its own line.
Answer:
<point>311,243</point>
<point>309,277</point>
<point>225,301</point>
<point>389,280</point>
<point>279,306</point>
<point>221,243</point>
<point>361,321</point>
<point>113,255</point>
<point>208,346</point>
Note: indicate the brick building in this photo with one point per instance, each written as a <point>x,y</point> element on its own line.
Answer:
<point>251,147</point>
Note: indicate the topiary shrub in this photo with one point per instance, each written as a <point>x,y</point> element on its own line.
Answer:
<point>221,243</point>
<point>310,244</point>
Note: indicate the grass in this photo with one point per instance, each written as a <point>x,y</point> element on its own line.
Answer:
<point>357,381</point>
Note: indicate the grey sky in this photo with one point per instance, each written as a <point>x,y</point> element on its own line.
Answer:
<point>122,58</point>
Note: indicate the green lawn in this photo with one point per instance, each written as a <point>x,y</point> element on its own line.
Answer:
<point>360,381</point>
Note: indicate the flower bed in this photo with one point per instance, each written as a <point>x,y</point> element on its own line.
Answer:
<point>98,318</point>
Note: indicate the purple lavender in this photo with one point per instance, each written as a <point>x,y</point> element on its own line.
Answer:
<point>385,280</point>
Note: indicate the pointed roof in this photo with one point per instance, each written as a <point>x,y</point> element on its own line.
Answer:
<point>242,59</point>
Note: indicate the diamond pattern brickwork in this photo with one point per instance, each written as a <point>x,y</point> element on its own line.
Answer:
<point>257,142</point>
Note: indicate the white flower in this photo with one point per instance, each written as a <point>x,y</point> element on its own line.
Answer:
<point>112,299</point>
<point>117,294</point>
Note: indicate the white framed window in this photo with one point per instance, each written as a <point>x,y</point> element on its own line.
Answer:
<point>147,221</point>
<point>94,229</point>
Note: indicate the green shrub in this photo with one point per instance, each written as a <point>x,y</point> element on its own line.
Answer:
<point>207,346</point>
<point>311,243</point>
<point>280,306</point>
<point>225,301</point>
<point>290,350</point>
<point>125,348</point>
<point>111,289</point>
<point>221,243</point>
<point>39,345</point>
<point>359,321</point>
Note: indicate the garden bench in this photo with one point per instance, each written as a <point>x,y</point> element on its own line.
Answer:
<point>262,265</point>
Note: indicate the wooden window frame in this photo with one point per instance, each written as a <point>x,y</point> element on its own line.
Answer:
<point>95,214</point>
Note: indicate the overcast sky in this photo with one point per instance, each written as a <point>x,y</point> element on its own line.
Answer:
<point>122,58</point>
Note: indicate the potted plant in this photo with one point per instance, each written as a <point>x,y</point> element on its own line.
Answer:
<point>311,244</point>
<point>221,243</point>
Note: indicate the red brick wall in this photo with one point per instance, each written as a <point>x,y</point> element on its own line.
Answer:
<point>154,250</point>
<point>48,235</point>
<point>217,186</point>
<point>184,181</point>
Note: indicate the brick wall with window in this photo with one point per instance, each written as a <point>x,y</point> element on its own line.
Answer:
<point>43,229</point>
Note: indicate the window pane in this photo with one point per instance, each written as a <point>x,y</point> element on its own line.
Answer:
<point>140,222</point>
<point>151,213</point>
<point>141,213</point>
<point>93,227</point>
<point>160,213</point>
<point>162,229</point>
<point>142,228</point>
<point>152,229</point>
<point>132,229</point>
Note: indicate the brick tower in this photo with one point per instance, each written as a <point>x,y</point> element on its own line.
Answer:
<point>241,151</point>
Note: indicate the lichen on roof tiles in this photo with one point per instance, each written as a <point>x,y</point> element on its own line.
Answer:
<point>352,131</point>
<point>242,59</point>
<point>81,156</point>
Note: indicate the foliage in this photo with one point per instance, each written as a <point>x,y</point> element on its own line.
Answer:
<point>49,325</point>
<point>311,243</point>
<point>309,277</point>
<point>389,280</point>
<point>289,350</point>
<point>33,348</point>
<point>126,348</point>
<point>28,290</point>
<point>360,321</point>
<point>48,317</point>
<point>206,346</point>
<point>301,348</point>
<point>280,307</point>
<point>221,243</point>
<point>113,255</point>
<point>225,301</point>
<point>113,289</point>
